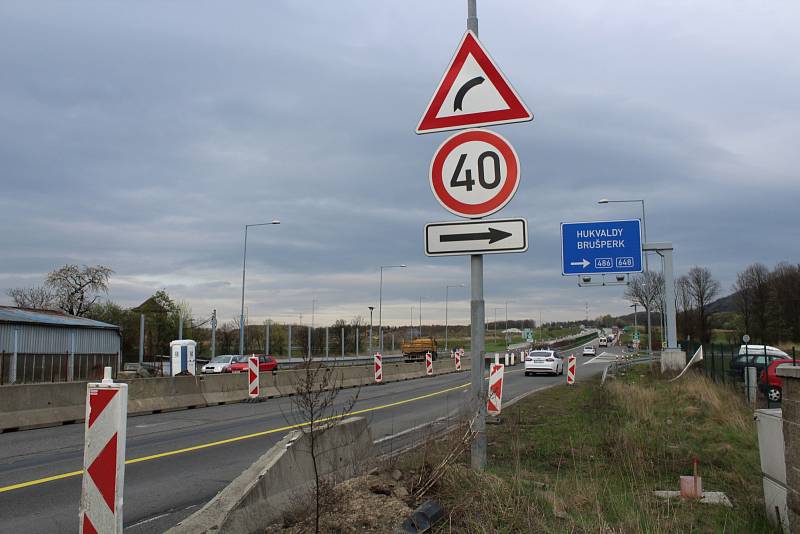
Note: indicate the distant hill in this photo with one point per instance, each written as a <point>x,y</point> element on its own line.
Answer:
<point>723,304</point>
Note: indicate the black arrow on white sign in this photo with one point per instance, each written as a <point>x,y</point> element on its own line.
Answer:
<point>493,235</point>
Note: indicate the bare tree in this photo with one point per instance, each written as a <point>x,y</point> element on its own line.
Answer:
<point>785,296</point>
<point>317,390</point>
<point>703,288</point>
<point>743,298</point>
<point>646,290</point>
<point>75,289</point>
<point>36,297</point>
<point>684,304</point>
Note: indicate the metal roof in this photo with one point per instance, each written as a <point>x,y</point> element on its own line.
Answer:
<point>10,314</point>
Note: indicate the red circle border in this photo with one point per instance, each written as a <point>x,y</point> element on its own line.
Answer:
<point>495,203</point>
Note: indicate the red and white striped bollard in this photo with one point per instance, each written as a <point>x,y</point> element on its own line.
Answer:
<point>571,370</point>
<point>495,400</point>
<point>428,364</point>
<point>458,360</point>
<point>378,367</point>
<point>103,456</point>
<point>252,375</point>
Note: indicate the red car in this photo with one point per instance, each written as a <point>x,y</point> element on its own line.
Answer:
<point>266,364</point>
<point>771,383</point>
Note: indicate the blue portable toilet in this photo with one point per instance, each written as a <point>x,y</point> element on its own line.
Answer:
<point>182,359</point>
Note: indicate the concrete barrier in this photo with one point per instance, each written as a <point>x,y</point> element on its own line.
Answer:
<point>224,388</point>
<point>36,405</point>
<point>283,476</point>
<point>147,395</point>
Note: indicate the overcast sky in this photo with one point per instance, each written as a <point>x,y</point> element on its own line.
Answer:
<point>144,135</point>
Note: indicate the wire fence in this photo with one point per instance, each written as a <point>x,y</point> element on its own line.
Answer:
<point>727,365</point>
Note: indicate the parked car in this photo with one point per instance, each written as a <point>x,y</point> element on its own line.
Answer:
<point>266,364</point>
<point>543,361</point>
<point>589,351</point>
<point>770,383</point>
<point>757,356</point>
<point>219,364</point>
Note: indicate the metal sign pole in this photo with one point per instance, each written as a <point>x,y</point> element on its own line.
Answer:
<point>477,326</point>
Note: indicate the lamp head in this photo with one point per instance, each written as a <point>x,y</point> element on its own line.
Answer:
<point>275,221</point>
<point>603,201</point>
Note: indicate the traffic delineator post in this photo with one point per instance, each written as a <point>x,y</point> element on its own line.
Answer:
<point>378,368</point>
<point>507,359</point>
<point>428,364</point>
<point>100,508</point>
<point>571,370</point>
<point>458,360</point>
<point>496,358</point>
<point>252,375</point>
<point>495,397</point>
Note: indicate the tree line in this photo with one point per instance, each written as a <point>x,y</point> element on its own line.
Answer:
<point>768,302</point>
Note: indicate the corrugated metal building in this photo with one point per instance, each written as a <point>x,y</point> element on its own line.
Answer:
<point>49,346</point>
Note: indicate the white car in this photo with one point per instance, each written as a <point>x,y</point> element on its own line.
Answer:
<point>219,364</point>
<point>543,361</point>
<point>589,351</point>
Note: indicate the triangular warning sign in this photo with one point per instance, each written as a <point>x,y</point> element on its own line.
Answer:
<point>472,92</point>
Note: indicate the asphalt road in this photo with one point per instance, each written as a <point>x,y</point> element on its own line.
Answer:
<point>177,461</point>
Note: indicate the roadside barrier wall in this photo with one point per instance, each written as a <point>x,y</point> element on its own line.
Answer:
<point>37,405</point>
<point>147,395</point>
<point>274,482</point>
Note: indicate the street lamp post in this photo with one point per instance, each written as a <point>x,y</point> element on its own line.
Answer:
<point>370,328</point>
<point>380,304</point>
<point>646,262</point>
<point>244,268</point>
<point>446,290</point>
<point>495,322</point>
<point>420,317</point>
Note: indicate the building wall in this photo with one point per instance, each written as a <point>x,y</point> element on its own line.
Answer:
<point>35,339</point>
<point>790,406</point>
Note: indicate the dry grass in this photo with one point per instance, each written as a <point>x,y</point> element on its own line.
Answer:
<point>587,459</point>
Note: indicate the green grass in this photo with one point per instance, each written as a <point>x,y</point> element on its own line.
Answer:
<point>587,459</point>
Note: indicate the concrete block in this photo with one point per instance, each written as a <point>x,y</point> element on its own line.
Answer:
<point>222,388</point>
<point>147,395</point>
<point>282,476</point>
<point>770,443</point>
<point>38,405</point>
<point>672,360</point>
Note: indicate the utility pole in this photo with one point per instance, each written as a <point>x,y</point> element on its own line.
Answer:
<point>213,333</point>
<point>141,339</point>
<point>370,328</point>
<point>420,317</point>
<point>478,325</point>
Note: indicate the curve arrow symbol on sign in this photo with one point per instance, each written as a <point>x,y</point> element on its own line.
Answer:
<point>583,263</point>
<point>493,235</point>
<point>458,102</point>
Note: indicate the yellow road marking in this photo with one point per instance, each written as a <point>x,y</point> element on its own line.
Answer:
<point>44,480</point>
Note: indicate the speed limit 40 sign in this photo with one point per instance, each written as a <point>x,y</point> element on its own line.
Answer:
<point>474,173</point>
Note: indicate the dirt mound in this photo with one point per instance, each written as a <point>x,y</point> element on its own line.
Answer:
<point>367,504</point>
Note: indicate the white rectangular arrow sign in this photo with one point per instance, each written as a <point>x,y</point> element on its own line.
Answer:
<point>476,237</point>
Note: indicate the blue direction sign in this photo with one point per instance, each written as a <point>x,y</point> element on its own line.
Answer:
<point>603,247</point>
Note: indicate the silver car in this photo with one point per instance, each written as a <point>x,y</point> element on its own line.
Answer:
<point>219,364</point>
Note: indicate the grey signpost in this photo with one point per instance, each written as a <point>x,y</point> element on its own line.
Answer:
<point>481,154</point>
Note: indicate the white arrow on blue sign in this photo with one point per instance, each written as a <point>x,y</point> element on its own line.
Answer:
<point>601,247</point>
